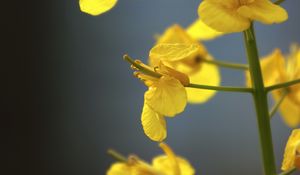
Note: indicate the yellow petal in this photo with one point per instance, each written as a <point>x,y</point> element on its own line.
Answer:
<point>96,7</point>
<point>208,74</point>
<point>222,18</point>
<point>289,110</point>
<point>270,66</point>
<point>167,96</point>
<point>263,11</point>
<point>119,169</point>
<point>200,31</point>
<point>154,124</point>
<point>172,164</point>
<point>175,34</point>
<point>173,52</point>
<point>290,150</point>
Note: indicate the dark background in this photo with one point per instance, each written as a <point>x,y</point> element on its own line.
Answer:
<point>68,96</point>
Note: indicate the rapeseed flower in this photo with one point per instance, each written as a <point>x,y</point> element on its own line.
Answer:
<point>168,164</point>
<point>277,68</point>
<point>96,7</point>
<point>291,156</point>
<point>236,15</point>
<point>191,64</point>
<point>166,95</point>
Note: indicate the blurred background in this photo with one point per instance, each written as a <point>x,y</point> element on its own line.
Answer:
<point>68,95</point>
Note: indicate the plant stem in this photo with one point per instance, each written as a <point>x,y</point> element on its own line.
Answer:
<point>227,64</point>
<point>220,88</point>
<point>290,171</point>
<point>261,103</point>
<point>278,103</point>
<point>283,85</point>
<point>116,155</point>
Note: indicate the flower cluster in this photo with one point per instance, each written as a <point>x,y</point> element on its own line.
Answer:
<point>169,164</point>
<point>179,61</point>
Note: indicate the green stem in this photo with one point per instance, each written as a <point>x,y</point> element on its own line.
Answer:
<point>116,155</point>
<point>278,103</point>
<point>279,2</point>
<point>227,64</point>
<point>283,85</point>
<point>290,171</point>
<point>220,88</point>
<point>261,103</point>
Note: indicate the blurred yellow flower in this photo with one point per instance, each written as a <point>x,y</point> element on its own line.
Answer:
<point>165,97</point>
<point>96,7</point>
<point>291,156</point>
<point>187,62</point>
<point>169,164</point>
<point>277,68</point>
<point>198,30</point>
<point>236,15</point>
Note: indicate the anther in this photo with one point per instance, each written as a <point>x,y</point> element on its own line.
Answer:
<point>133,67</point>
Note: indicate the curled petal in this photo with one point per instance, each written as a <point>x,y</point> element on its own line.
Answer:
<point>96,7</point>
<point>200,31</point>
<point>167,96</point>
<point>154,124</point>
<point>264,11</point>
<point>290,150</point>
<point>222,18</point>
<point>119,169</point>
<point>171,164</point>
<point>173,52</point>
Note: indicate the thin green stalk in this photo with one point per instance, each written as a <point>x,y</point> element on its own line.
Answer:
<point>227,64</point>
<point>220,88</point>
<point>116,155</point>
<point>279,2</point>
<point>261,103</point>
<point>282,85</point>
<point>278,103</point>
<point>290,171</point>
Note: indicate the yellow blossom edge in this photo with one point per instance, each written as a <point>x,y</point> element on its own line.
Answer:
<point>96,7</point>
<point>154,124</point>
<point>173,52</point>
<point>290,150</point>
<point>171,163</point>
<point>200,31</point>
<point>231,16</point>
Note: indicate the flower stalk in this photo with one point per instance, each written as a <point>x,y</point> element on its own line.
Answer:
<point>282,85</point>
<point>277,105</point>
<point>261,103</point>
<point>220,88</point>
<point>227,64</point>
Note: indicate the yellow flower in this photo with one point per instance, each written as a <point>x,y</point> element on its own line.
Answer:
<point>169,164</point>
<point>165,97</point>
<point>236,15</point>
<point>96,7</point>
<point>277,68</point>
<point>200,31</point>
<point>185,61</point>
<point>291,156</point>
